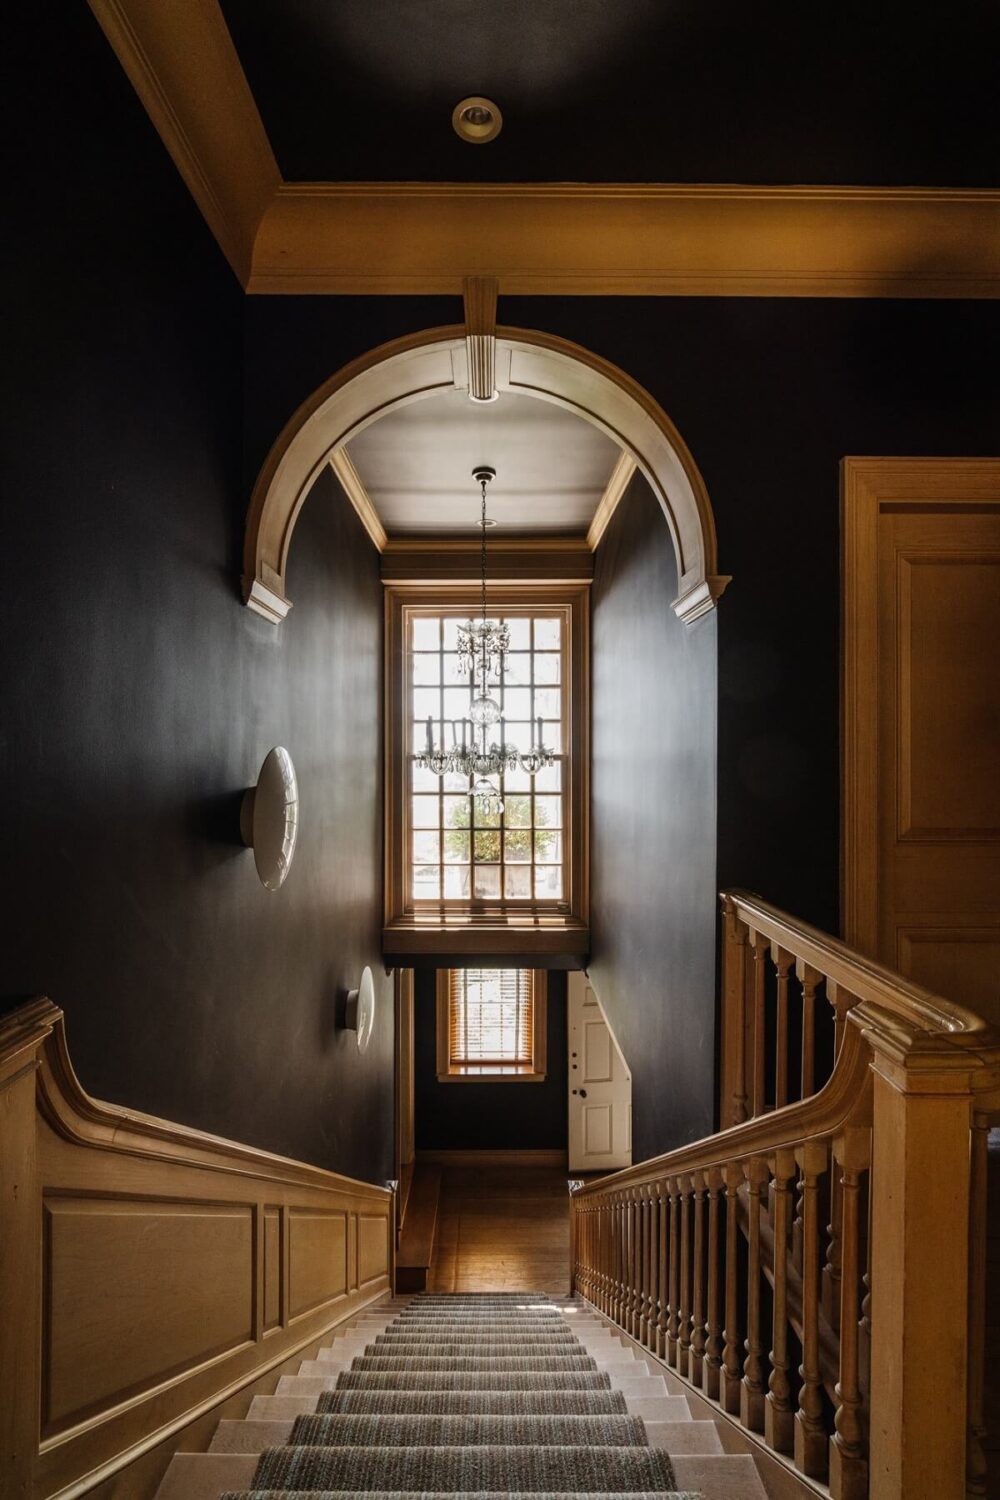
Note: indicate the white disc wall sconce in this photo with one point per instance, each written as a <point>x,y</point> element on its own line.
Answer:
<point>269,818</point>
<point>360,1012</point>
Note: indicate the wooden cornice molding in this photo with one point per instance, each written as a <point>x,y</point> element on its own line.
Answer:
<point>621,239</point>
<point>515,560</point>
<point>182,63</point>
<point>544,239</point>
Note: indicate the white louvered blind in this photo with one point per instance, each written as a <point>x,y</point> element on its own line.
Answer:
<point>490,1016</point>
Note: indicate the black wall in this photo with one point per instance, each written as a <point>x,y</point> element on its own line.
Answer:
<point>489,1116</point>
<point>137,695</point>
<point>653,826</point>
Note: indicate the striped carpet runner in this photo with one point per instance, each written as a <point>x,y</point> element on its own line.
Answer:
<point>473,1396</point>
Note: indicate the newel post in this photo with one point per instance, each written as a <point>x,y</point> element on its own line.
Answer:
<point>574,1230</point>
<point>919,1265</point>
<point>733,1101</point>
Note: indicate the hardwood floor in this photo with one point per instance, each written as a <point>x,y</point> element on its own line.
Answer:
<point>502,1229</point>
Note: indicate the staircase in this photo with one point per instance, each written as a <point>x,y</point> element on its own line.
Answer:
<point>501,1394</point>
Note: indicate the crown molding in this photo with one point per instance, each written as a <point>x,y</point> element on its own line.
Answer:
<point>182,63</point>
<point>540,239</point>
<point>624,239</point>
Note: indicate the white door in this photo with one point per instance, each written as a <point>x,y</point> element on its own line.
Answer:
<point>600,1087</point>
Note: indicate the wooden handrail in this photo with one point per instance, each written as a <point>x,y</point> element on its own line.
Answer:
<point>860,1205</point>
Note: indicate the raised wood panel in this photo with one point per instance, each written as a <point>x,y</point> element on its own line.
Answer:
<point>373,1248</point>
<point>317,1259</point>
<point>921,725</point>
<point>146,1271</point>
<point>944,959</point>
<point>949,611</point>
<point>136,1292</point>
<point>272,1268</point>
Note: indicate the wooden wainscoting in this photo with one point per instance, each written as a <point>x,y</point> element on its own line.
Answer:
<point>149,1272</point>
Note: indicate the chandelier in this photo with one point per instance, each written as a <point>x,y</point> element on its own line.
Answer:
<point>482,654</point>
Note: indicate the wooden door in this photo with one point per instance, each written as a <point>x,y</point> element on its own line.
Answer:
<point>600,1086</point>
<point>921,721</point>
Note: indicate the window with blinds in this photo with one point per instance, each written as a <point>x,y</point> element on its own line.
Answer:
<point>490,1016</point>
<point>491,1023</point>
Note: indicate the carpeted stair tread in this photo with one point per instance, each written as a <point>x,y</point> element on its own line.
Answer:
<point>487,1403</point>
<point>435,1495</point>
<point>483,1350</point>
<point>472,1430</point>
<point>458,1470</point>
<point>450,1379</point>
<point>487,1335</point>
<point>460,1362</point>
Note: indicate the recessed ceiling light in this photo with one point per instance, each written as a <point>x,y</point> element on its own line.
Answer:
<point>477,120</point>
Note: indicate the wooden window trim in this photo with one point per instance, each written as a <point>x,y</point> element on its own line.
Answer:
<point>447,1072</point>
<point>483,927</point>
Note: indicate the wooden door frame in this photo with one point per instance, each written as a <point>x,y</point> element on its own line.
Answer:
<point>866,485</point>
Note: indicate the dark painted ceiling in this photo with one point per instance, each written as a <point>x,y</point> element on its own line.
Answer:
<point>864,92</point>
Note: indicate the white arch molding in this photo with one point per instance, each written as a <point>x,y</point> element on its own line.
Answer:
<point>528,363</point>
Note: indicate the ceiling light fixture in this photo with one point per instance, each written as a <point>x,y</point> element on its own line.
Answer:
<point>482,655</point>
<point>477,120</point>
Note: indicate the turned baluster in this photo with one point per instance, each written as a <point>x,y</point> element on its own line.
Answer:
<point>631,1280</point>
<point>607,1256</point>
<point>848,1457</point>
<point>810,1444</point>
<point>697,1365</point>
<point>841,1001</point>
<point>782,962</point>
<point>778,1414</point>
<point>809,978</point>
<point>618,1258</point>
<point>642,1257</point>
<point>732,1370</point>
<point>684,1324</point>
<point>734,1102</point>
<point>673,1318</point>
<point>662,1269</point>
<point>753,1389</point>
<point>653,1230</point>
<point>638,1293</point>
<point>976,1473</point>
<point>760,948</point>
<point>713,1316</point>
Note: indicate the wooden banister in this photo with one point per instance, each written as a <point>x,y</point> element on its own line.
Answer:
<point>861,1204</point>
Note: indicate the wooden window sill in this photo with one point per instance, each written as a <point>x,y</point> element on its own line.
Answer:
<point>474,936</point>
<point>475,1073</point>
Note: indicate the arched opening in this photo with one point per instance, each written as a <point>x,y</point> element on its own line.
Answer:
<point>528,363</point>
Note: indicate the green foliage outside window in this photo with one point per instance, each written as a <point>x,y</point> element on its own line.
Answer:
<point>517,814</point>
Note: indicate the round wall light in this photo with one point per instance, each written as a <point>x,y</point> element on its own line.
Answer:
<point>269,818</point>
<point>360,1016</point>
<point>477,120</point>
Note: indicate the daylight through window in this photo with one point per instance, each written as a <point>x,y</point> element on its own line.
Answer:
<point>456,852</point>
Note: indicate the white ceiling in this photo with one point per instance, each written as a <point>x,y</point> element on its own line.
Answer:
<point>416,464</point>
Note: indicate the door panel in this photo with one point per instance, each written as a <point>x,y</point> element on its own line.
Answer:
<point>922,716</point>
<point>600,1087</point>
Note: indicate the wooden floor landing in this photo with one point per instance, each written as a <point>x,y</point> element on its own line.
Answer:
<point>503,1229</point>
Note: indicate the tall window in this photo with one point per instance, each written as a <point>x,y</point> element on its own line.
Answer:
<point>491,1024</point>
<point>456,853</point>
